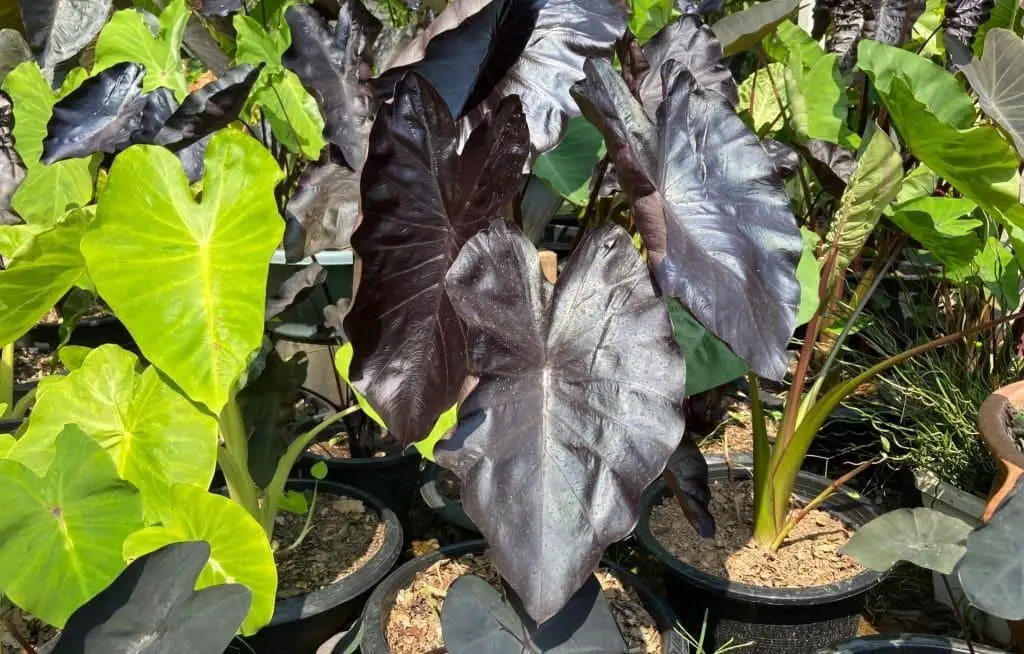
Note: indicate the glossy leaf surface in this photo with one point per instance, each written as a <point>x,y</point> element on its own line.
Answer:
<point>322,210</point>
<point>213,255</point>
<point>151,608</point>
<point>58,29</point>
<point>992,570</point>
<point>719,233</point>
<point>963,19</point>
<point>63,529</point>
<point>998,79</point>
<point>12,168</point>
<point>552,470</point>
<point>421,201</point>
<point>922,536</point>
<point>207,109</point>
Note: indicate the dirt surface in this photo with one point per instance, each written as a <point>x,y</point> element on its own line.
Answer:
<point>337,447</point>
<point>809,557</point>
<point>31,364</point>
<point>735,434</point>
<point>414,623</point>
<point>32,630</point>
<point>343,536</point>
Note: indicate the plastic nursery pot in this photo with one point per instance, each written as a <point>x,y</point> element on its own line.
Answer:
<point>777,620</point>
<point>449,510</point>
<point>378,607</point>
<point>301,624</point>
<point>303,321</point>
<point>88,332</point>
<point>906,644</point>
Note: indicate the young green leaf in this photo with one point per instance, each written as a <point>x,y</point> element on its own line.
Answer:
<point>319,470</point>
<point>817,101</point>
<point>63,530</point>
<point>154,435</point>
<point>239,549</point>
<point>709,362</point>
<point>129,38</point>
<point>922,536</point>
<point>743,30</point>
<point>569,167</point>
<point>212,254</point>
<point>650,16</point>
<point>809,275</point>
<point>294,502</point>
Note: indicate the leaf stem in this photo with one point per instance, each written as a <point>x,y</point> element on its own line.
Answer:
<point>7,379</point>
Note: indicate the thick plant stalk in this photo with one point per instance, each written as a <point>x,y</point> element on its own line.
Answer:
<point>764,516</point>
<point>233,458</point>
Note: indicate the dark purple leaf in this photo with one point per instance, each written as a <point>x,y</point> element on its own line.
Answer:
<point>847,18</point>
<point>218,7</point>
<point>208,109</point>
<point>893,20</point>
<point>687,476</point>
<point>294,289</point>
<point>193,158</point>
<point>421,201</point>
<point>694,45</point>
<point>577,409</point>
<point>464,64</point>
<point>101,115</point>
<point>784,157</point>
<point>992,571</point>
<point>58,29</point>
<point>963,18</point>
<point>12,168</point>
<point>698,7</point>
<point>336,69</point>
<point>832,164</point>
<point>152,608</point>
<point>160,105</point>
<point>323,209</point>
<point>714,216</point>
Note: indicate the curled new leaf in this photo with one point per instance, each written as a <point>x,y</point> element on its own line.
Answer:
<point>421,201</point>
<point>335,68</point>
<point>101,115</point>
<point>714,216</point>
<point>58,29</point>
<point>577,409</point>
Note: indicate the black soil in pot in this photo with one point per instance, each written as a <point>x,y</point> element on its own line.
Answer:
<point>304,620</point>
<point>393,600</point>
<point>779,620</point>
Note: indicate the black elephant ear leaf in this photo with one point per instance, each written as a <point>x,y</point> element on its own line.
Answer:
<point>783,156</point>
<point>160,105</point>
<point>743,30</point>
<point>696,48</point>
<point>564,372</point>
<point>477,619</point>
<point>719,233</point>
<point>219,7</point>
<point>421,201</point>
<point>208,109</point>
<point>832,164</point>
<point>151,608</point>
<point>992,571</point>
<point>12,168</point>
<point>465,64</point>
<point>687,476</point>
<point>101,115</point>
<point>998,79</point>
<point>294,289</point>
<point>322,210</point>
<point>336,68</point>
<point>963,19</point>
<point>893,20</point>
<point>848,19</point>
<point>58,29</point>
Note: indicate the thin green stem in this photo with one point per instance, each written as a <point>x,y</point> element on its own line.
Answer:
<point>22,406</point>
<point>308,525</point>
<point>7,378</point>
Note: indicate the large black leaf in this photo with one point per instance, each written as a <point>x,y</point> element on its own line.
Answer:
<point>323,208</point>
<point>101,115</point>
<point>713,213</point>
<point>464,64</point>
<point>208,109</point>
<point>476,619</point>
<point>992,570</point>
<point>12,168</point>
<point>848,18</point>
<point>577,409</point>
<point>963,18</point>
<point>832,164</point>
<point>695,46</point>
<point>58,29</point>
<point>421,200</point>
<point>336,69</point>
<point>566,33</point>
<point>151,608</point>
<point>893,20</point>
<point>160,105</point>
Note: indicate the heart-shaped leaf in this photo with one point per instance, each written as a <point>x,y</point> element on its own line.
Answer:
<point>992,571</point>
<point>555,420</point>
<point>922,536</point>
<point>335,68</point>
<point>140,419</point>
<point>720,236</point>
<point>743,30</point>
<point>129,38</point>
<point>323,209</point>
<point>151,608</point>
<point>58,29</point>
<point>40,271</point>
<point>421,200</point>
<point>476,619</point>
<point>12,169</point>
<point>239,549</point>
<point>62,531</point>
<point>943,227</point>
<point>213,255</point>
<point>101,115</point>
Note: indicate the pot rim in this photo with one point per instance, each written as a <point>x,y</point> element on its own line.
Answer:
<point>900,641</point>
<point>749,593</point>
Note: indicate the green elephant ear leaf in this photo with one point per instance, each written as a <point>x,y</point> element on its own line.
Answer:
<point>140,419</point>
<point>709,362</point>
<point>809,275</point>
<point>943,226</point>
<point>127,37</point>
<point>239,549</point>
<point>44,266</point>
<point>743,30</point>
<point>6,440</point>
<point>47,192</point>
<point>63,531</point>
<point>202,262</point>
<point>922,536</point>
<point>569,167</point>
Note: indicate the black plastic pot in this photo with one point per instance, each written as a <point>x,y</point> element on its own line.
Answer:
<point>778,620</point>
<point>301,624</point>
<point>451,511</point>
<point>378,607</point>
<point>907,644</point>
<point>88,332</point>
